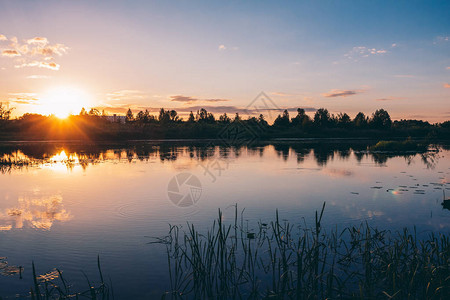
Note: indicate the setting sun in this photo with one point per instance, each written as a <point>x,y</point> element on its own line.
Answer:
<point>63,101</point>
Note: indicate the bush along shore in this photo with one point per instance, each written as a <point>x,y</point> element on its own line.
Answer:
<point>399,146</point>
<point>280,260</point>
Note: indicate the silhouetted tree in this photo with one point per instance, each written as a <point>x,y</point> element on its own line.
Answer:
<point>282,121</point>
<point>252,121</point>
<point>445,124</point>
<point>164,116</point>
<point>301,119</point>
<point>224,119</point>
<point>83,112</point>
<point>360,121</point>
<point>94,112</point>
<point>174,116</point>
<point>237,118</point>
<point>148,118</point>
<point>129,116</point>
<point>380,119</point>
<point>261,121</point>
<point>322,118</point>
<point>211,119</point>
<point>204,117</point>
<point>140,117</point>
<point>5,113</point>
<point>343,120</point>
<point>191,118</point>
<point>202,114</point>
<point>411,124</point>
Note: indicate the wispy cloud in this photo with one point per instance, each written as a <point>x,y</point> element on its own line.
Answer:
<point>180,98</point>
<point>222,47</point>
<point>341,93</point>
<point>41,64</point>
<point>34,52</point>
<point>441,39</point>
<point>23,98</point>
<point>390,99</point>
<point>189,99</point>
<point>126,95</point>
<point>363,52</point>
<point>38,40</point>
<point>38,77</point>
<point>281,94</point>
<point>215,100</point>
<point>10,53</point>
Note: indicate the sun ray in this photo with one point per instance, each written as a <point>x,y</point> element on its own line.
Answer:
<point>63,101</point>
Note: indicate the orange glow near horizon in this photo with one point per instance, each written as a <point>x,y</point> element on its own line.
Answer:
<point>63,101</point>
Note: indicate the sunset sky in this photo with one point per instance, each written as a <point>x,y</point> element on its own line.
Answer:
<point>347,56</point>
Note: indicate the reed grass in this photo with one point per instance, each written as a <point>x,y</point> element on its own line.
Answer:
<point>59,288</point>
<point>281,260</point>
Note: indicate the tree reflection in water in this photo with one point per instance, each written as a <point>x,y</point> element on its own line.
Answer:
<point>20,156</point>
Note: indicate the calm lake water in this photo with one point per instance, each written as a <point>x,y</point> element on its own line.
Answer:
<point>64,204</point>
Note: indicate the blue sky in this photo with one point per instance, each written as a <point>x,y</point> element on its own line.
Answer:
<point>346,56</point>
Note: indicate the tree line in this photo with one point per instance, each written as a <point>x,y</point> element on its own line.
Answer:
<point>168,124</point>
<point>322,118</point>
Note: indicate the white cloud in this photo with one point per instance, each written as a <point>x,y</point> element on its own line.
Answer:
<point>14,41</point>
<point>3,38</point>
<point>223,48</point>
<point>23,98</point>
<point>34,52</point>
<point>281,94</point>
<point>41,64</point>
<point>38,77</point>
<point>10,53</point>
<point>441,39</point>
<point>362,52</point>
<point>38,40</point>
